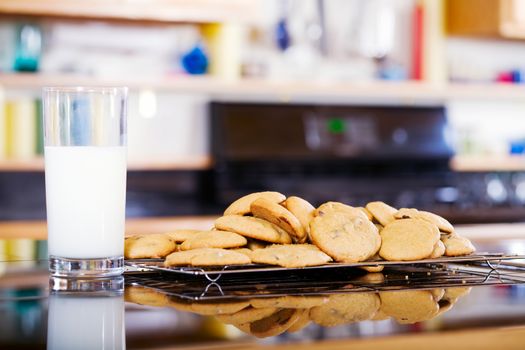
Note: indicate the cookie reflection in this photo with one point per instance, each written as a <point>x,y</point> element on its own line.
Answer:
<point>270,316</point>
<point>86,322</point>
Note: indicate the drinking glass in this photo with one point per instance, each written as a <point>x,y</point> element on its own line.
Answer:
<point>85,170</point>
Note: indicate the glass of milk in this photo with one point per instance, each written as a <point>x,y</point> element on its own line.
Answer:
<point>85,170</point>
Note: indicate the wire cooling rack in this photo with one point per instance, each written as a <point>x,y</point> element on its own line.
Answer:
<point>248,282</point>
<point>212,273</point>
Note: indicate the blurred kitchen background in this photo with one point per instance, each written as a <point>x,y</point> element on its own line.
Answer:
<point>417,103</point>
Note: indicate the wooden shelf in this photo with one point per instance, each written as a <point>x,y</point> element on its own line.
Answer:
<point>379,92</point>
<point>475,163</point>
<point>164,11</point>
<point>182,163</point>
<point>458,163</point>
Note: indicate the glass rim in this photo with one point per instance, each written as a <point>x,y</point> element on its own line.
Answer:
<point>86,89</point>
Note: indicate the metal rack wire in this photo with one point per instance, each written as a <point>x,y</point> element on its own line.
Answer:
<point>478,270</point>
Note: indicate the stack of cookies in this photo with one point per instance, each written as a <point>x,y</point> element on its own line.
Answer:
<point>269,228</point>
<point>270,316</point>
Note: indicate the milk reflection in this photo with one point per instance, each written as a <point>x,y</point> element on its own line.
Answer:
<point>86,322</point>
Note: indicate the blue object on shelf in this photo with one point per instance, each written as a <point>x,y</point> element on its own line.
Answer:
<point>195,61</point>
<point>282,35</point>
<point>28,48</point>
<point>517,76</point>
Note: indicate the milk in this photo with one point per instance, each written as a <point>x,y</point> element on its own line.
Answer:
<point>90,322</point>
<point>85,196</point>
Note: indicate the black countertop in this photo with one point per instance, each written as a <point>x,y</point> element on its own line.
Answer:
<point>145,310</point>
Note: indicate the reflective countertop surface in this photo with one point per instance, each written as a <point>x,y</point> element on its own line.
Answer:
<point>146,310</point>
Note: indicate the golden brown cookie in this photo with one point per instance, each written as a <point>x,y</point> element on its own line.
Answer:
<point>366,212</point>
<point>303,321</point>
<point>257,228</point>
<point>296,255</point>
<point>145,296</point>
<point>148,246</point>
<point>437,293</point>
<point>244,251</point>
<point>246,315</point>
<point>456,245</point>
<point>339,207</point>
<point>302,210</point>
<point>206,257</point>
<point>372,277</point>
<point>439,250</point>
<point>254,244</point>
<point>380,316</point>
<point>208,307</point>
<point>344,236</point>
<point>289,301</point>
<point>441,223</point>
<point>345,308</point>
<point>373,269</point>
<point>409,306</point>
<point>280,216</point>
<point>180,236</point>
<point>382,212</point>
<point>242,205</point>
<point>408,239</point>
<point>213,239</point>
<point>276,323</point>
<point>455,293</point>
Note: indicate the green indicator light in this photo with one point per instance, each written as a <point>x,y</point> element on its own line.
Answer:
<point>336,126</point>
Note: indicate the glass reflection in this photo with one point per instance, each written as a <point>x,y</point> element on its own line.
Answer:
<point>86,321</point>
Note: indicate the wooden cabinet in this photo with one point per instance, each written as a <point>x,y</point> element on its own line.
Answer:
<point>486,18</point>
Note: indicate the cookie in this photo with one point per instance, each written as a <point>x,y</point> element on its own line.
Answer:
<point>382,212</point>
<point>345,308</point>
<point>345,236</point>
<point>372,277</point>
<point>437,293</point>
<point>380,316</point>
<point>408,239</point>
<point>242,205</point>
<point>303,321</point>
<point>456,245</point>
<point>409,307</point>
<point>455,293</point>
<point>339,207</point>
<point>441,223</point>
<point>180,236</point>
<point>302,210</point>
<point>213,239</point>
<point>373,269</point>
<point>245,251</point>
<point>289,301</point>
<point>246,315</point>
<point>276,323</point>
<point>209,308</point>
<point>296,255</point>
<point>180,258</point>
<point>206,257</point>
<point>145,296</point>
<point>439,250</point>
<point>254,244</point>
<point>257,228</point>
<point>148,246</point>
<point>366,212</point>
<point>280,216</point>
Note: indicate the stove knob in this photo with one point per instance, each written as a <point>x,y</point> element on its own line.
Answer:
<point>519,189</point>
<point>496,191</point>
